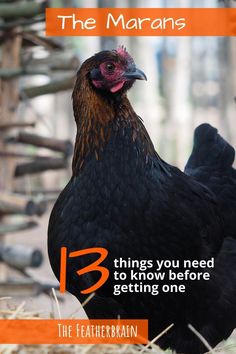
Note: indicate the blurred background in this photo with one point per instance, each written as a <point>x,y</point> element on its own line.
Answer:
<point>190,81</point>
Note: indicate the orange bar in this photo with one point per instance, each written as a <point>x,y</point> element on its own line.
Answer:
<point>63,269</point>
<point>73,331</point>
<point>141,21</point>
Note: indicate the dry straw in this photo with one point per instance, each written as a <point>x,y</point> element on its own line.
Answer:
<point>20,313</point>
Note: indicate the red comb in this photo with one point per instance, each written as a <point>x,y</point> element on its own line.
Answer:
<point>121,50</point>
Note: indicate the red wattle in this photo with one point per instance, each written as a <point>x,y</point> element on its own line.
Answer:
<point>117,87</point>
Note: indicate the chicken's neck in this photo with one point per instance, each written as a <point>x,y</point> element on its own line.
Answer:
<point>97,119</point>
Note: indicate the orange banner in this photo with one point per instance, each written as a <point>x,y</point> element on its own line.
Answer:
<point>73,331</point>
<point>141,21</point>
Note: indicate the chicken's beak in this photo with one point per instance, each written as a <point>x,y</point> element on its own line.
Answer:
<point>135,74</point>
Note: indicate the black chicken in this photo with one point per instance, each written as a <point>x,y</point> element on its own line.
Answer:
<point>122,196</point>
<point>211,163</point>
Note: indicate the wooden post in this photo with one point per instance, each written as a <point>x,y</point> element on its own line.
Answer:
<point>9,99</point>
<point>59,145</point>
<point>17,33</point>
<point>52,87</point>
<point>27,9</point>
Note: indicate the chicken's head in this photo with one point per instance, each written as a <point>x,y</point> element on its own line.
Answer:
<point>113,71</point>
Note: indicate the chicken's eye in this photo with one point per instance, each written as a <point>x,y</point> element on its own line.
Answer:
<point>110,67</point>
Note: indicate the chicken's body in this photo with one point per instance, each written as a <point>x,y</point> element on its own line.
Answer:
<point>124,198</point>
